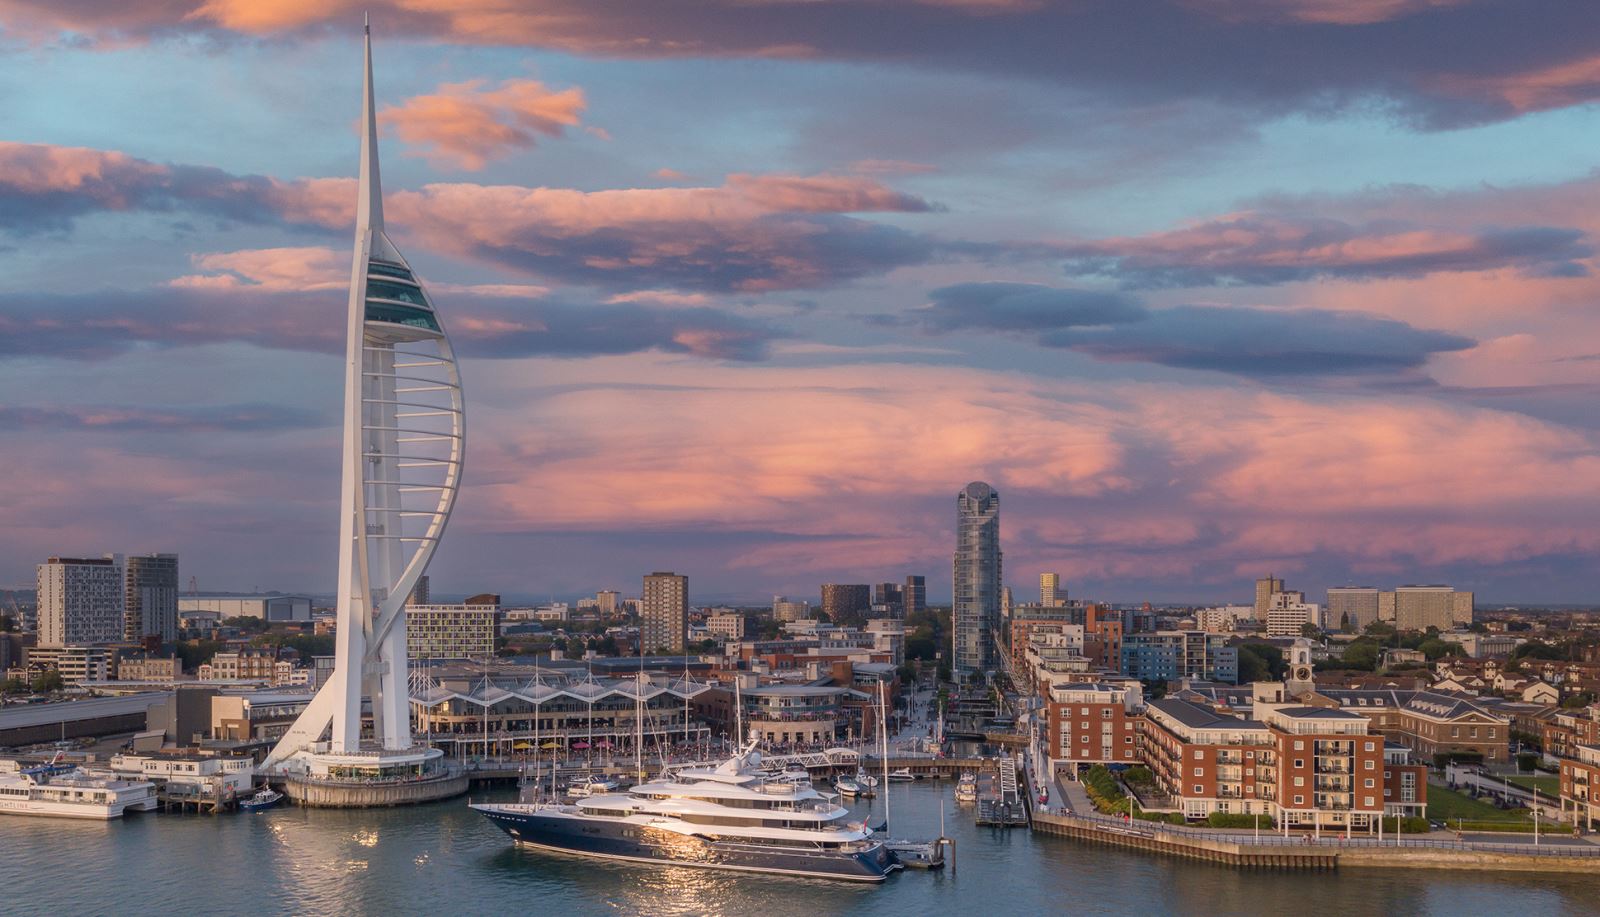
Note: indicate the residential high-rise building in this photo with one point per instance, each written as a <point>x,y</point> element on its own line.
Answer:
<point>1353,607</point>
<point>150,606</point>
<point>607,601</point>
<point>891,596</point>
<point>1266,588</point>
<point>1288,613</point>
<point>1422,607</point>
<point>664,612</point>
<point>844,603</point>
<point>976,579</point>
<point>1050,592</point>
<point>915,595</point>
<point>419,592</point>
<point>785,610</point>
<point>1005,603</point>
<point>81,600</point>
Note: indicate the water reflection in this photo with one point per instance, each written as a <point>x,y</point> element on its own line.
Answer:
<point>445,859</point>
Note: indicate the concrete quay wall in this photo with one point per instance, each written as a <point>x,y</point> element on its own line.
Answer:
<point>1483,861</point>
<point>328,794</point>
<point>1280,856</point>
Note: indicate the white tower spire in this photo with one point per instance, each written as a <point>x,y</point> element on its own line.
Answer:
<point>404,429</point>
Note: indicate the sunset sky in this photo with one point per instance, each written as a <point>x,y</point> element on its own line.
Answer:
<point>749,289</point>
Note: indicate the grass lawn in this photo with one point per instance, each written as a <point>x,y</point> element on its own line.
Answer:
<point>1547,786</point>
<point>1447,805</point>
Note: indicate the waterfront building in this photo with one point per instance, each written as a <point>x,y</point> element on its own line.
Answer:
<point>1580,785</point>
<point>1026,619</point>
<point>581,717</point>
<point>1352,608</point>
<point>915,595</point>
<point>664,617</point>
<point>272,607</point>
<point>977,571</point>
<point>1172,655</point>
<point>404,439</point>
<point>1094,722</point>
<point>1288,613</point>
<point>81,600</point>
<point>150,606</point>
<point>463,631</point>
<point>1266,588</point>
<point>846,603</point>
<point>1303,766</point>
<point>420,592</point>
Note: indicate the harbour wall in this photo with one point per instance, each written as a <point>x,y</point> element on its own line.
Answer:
<point>1213,849</point>
<point>331,794</point>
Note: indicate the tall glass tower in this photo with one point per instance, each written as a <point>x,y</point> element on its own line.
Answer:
<point>404,429</point>
<point>976,579</point>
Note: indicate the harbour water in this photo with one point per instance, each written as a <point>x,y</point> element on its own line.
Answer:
<point>445,859</point>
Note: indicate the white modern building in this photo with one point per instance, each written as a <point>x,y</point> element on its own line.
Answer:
<point>1289,612</point>
<point>404,432</point>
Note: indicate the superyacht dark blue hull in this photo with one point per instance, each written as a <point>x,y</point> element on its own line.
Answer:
<point>618,840</point>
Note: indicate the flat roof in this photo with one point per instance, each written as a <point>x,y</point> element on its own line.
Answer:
<point>19,716</point>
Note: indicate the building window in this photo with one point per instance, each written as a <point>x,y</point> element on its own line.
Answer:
<point>1127,740</point>
<point>1368,801</point>
<point>1371,783</point>
<point>1491,732</point>
<point>1455,732</point>
<point>1299,781</point>
<point>1198,789</point>
<point>1299,800</point>
<point>1371,764</point>
<point>1299,745</point>
<point>1199,772</point>
<point>1198,754</point>
<point>1371,747</point>
<point>1299,762</point>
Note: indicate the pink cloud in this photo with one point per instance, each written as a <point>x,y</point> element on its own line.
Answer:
<point>1330,12</point>
<point>468,124</point>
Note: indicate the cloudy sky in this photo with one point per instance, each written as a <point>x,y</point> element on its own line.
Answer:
<point>749,289</point>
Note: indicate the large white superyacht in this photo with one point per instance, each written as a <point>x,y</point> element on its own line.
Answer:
<point>64,791</point>
<point>731,816</point>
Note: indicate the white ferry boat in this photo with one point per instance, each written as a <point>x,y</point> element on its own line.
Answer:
<point>64,791</point>
<point>731,816</point>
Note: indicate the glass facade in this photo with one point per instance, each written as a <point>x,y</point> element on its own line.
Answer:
<point>401,315</point>
<point>976,578</point>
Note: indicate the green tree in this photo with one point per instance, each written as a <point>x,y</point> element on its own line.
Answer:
<point>575,647</point>
<point>13,686</point>
<point>1310,631</point>
<point>1362,653</point>
<point>246,623</point>
<point>1260,662</point>
<point>1434,648</point>
<point>47,681</point>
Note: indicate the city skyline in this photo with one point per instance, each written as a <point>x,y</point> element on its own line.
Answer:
<point>1195,328</point>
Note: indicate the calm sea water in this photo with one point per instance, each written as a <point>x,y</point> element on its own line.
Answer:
<point>445,859</point>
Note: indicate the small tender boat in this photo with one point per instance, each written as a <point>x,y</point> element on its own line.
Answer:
<point>967,788</point>
<point>264,798</point>
<point>847,787</point>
